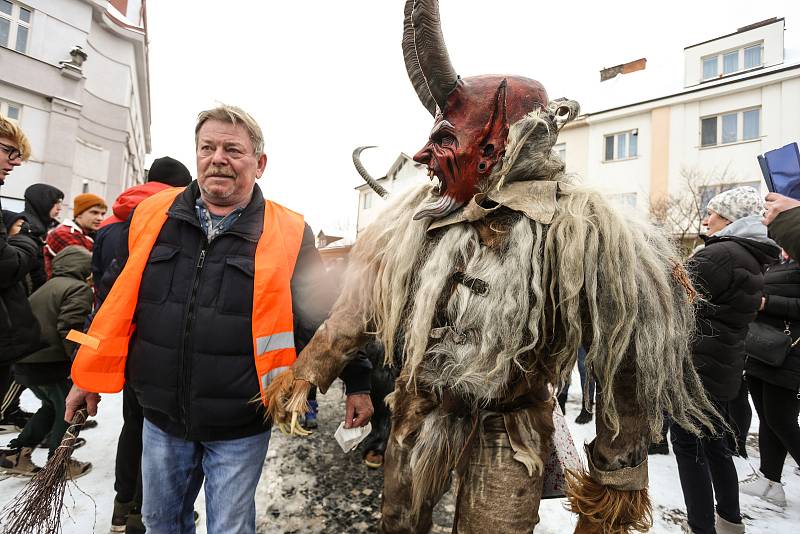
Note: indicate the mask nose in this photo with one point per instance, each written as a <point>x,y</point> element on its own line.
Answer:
<point>423,156</point>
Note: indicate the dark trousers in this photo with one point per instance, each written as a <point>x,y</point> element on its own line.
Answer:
<point>707,472</point>
<point>128,469</point>
<point>586,403</point>
<point>778,432</point>
<point>49,418</point>
<point>740,417</point>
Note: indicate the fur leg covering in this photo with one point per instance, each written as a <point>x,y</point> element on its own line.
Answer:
<point>605,510</point>
<point>285,395</point>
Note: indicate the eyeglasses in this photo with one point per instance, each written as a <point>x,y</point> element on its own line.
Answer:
<point>13,152</point>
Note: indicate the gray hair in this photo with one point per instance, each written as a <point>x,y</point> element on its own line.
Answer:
<point>233,115</point>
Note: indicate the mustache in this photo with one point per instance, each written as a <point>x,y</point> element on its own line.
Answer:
<point>219,171</point>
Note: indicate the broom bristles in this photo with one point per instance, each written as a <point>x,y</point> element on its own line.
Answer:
<point>37,507</point>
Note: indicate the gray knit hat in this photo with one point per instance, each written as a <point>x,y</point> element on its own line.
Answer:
<point>736,203</point>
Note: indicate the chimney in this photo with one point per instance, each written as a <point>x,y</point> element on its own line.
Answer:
<point>625,68</point>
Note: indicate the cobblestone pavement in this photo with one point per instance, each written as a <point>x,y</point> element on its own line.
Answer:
<point>310,486</point>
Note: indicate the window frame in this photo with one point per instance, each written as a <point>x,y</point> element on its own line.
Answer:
<point>739,127</point>
<point>719,57</point>
<point>14,23</point>
<point>5,105</point>
<point>616,147</point>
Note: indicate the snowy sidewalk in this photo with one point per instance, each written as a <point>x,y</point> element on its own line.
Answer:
<point>310,486</point>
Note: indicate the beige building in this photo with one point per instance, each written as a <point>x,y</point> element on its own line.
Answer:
<point>75,76</point>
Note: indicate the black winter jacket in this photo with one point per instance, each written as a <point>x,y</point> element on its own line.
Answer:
<point>728,273</point>
<point>782,292</point>
<point>190,361</point>
<point>19,331</point>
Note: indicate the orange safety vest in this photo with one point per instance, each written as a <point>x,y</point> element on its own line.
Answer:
<point>100,363</point>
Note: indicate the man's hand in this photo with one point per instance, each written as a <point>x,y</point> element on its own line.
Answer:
<point>77,399</point>
<point>358,410</point>
<point>776,204</point>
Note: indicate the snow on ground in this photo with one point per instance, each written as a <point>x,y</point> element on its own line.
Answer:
<point>312,487</point>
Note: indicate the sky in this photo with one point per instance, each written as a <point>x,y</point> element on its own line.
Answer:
<point>323,77</point>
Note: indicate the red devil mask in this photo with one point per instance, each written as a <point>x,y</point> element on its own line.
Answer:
<point>473,115</point>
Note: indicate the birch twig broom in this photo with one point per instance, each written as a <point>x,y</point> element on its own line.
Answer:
<point>37,508</point>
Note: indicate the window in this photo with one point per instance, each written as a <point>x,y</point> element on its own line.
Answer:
<point>623,145</point>
<point>752,56</point>
<point>710,68</point>
<point>726,128</point>
<point>366,200</point>
<point>707,192</point>
<point>10,110</point>
<point>15,25</point>
<point>732,61</point>
<point>560,150</point>
<point>751,124</point>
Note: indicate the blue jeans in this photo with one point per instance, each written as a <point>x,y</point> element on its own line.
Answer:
<point>172,473</point>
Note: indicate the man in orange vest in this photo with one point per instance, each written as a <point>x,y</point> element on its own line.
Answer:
<point>219,291</point>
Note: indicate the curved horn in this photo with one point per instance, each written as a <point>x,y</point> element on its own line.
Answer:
<point>365,175</point>
<point>425,54</point>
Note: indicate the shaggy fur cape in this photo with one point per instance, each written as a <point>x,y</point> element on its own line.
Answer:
<point>593,276</point>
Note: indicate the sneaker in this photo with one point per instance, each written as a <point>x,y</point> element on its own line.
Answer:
<point>310,419</point>
<point>373,459</point>
<point>76,468</point>
<point>119,517</point>
<point>723,526</point>
<point>658,448</point>
<point>584,417</point>
<point>760,486</point>
<point>21,463</point>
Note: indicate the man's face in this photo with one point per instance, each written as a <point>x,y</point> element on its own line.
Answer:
<point>7,163</point>
<point>90,219</point>
<point>227,168</point>
<point>55,211</point>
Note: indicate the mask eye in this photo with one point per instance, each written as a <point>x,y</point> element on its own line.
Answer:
<point>488,150</point>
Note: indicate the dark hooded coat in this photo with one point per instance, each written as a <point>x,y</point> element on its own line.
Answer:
<point>39,200</point>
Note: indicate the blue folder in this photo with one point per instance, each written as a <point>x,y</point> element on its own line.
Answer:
<point>781,170</point>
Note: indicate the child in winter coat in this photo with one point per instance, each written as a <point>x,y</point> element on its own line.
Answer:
<point>61,304</point>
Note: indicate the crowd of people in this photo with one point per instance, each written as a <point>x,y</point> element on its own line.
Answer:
<point>224,287</point>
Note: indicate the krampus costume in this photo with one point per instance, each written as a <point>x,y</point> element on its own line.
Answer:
<point>481,289</point>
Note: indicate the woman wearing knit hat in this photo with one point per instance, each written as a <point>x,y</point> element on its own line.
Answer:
<point>88,212</point>
<point>729,275</point>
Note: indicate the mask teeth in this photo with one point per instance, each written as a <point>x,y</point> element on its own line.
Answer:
<point>443,206</point>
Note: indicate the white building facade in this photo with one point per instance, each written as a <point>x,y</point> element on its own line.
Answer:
<point>74,74</point>
<point>642,130</point>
